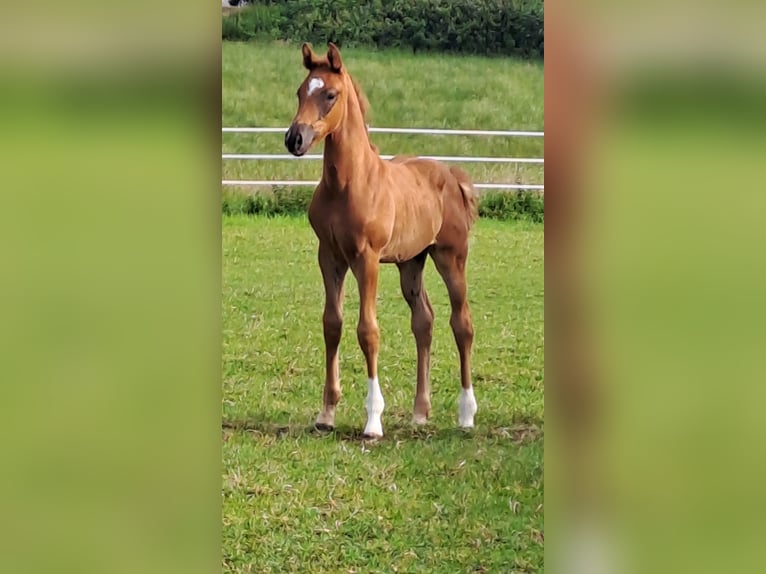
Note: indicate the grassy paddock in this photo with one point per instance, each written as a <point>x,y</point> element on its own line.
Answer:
<point>431,500</point>
<point>405,90</point>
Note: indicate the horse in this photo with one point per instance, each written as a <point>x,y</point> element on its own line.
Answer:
<point>366,211</point>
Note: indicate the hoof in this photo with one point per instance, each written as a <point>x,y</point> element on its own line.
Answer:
<point>419,420</point>
<point>324,427</point>
<point>373,430</point>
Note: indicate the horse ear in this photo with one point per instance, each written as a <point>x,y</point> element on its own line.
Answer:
<point>309,60</point>
<point>333,56</point>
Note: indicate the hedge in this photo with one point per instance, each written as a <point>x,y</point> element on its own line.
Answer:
<point>488,27</point>
<point>517,205</point>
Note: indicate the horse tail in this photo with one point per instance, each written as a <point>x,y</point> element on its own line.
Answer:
<point>470,197</point>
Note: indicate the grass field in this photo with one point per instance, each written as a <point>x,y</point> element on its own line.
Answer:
<point>431,500</point>
<point>405,90</point>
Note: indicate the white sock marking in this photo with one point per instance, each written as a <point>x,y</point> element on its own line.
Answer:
<point>315,84</point>
<point>374,405</point>
<point>466,407</point>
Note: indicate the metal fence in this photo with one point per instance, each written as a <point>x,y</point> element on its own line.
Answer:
<point>420,131</point>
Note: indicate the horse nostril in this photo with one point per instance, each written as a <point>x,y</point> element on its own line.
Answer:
<point>298,141</point>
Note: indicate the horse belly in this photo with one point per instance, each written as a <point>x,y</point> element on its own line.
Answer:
<point>418,207</point>
<point>394,255</point>
<point>410,236</point>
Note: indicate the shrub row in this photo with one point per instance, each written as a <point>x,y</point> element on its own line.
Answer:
<point>517,205</point>
<point>489,27</point>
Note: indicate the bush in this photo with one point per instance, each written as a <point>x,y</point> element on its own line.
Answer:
<point>489,27</point>
<point>527,205</point>
<point>519,205</point>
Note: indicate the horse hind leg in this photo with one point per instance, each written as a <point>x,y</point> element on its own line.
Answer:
<point>450,263</point>
<point>413,290</point>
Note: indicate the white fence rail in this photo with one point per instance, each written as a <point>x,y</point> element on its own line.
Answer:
<point>420,131</point>
<point>455,158</point>
<point>290,182</point>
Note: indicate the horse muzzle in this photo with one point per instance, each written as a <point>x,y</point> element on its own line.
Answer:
<point>299,138</point>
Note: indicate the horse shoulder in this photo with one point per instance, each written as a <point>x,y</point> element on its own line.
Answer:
<point>318,210</point>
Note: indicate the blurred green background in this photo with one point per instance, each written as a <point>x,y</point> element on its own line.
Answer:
<point>110,222</point>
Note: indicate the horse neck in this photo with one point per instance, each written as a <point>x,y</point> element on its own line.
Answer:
<point>348,154</point>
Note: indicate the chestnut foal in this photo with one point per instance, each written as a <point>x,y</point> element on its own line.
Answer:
<point>366,211</point>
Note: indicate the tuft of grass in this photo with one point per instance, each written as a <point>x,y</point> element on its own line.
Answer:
<point>405,90</point>
<point>433,499</point>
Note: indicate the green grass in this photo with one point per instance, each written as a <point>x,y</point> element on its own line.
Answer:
<point>431,500</point>
<point>404,90</point>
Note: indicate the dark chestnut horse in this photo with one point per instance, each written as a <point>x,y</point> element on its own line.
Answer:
<point>366,211</point>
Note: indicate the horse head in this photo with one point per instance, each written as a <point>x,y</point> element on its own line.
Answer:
<point>322,100</point>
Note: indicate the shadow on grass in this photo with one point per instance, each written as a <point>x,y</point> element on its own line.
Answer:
<point>519,431</point>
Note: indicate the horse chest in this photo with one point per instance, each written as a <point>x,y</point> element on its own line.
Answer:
<point>334,230</point>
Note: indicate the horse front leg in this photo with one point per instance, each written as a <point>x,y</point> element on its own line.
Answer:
<point>334,271</point>
<point>365,270</point>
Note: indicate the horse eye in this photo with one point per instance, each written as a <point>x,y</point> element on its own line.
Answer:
<point>331,96</point>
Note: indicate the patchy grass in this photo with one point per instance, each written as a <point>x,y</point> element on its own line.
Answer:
<point>405,90</point>
<point>436,499</point>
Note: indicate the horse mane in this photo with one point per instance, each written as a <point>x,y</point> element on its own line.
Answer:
<point>364,106</point>
<point>364,103</point>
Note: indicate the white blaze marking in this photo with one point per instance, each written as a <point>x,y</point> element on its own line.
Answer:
<point>466,407</point>
<point>315,84</point>
<point>374,405</point>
